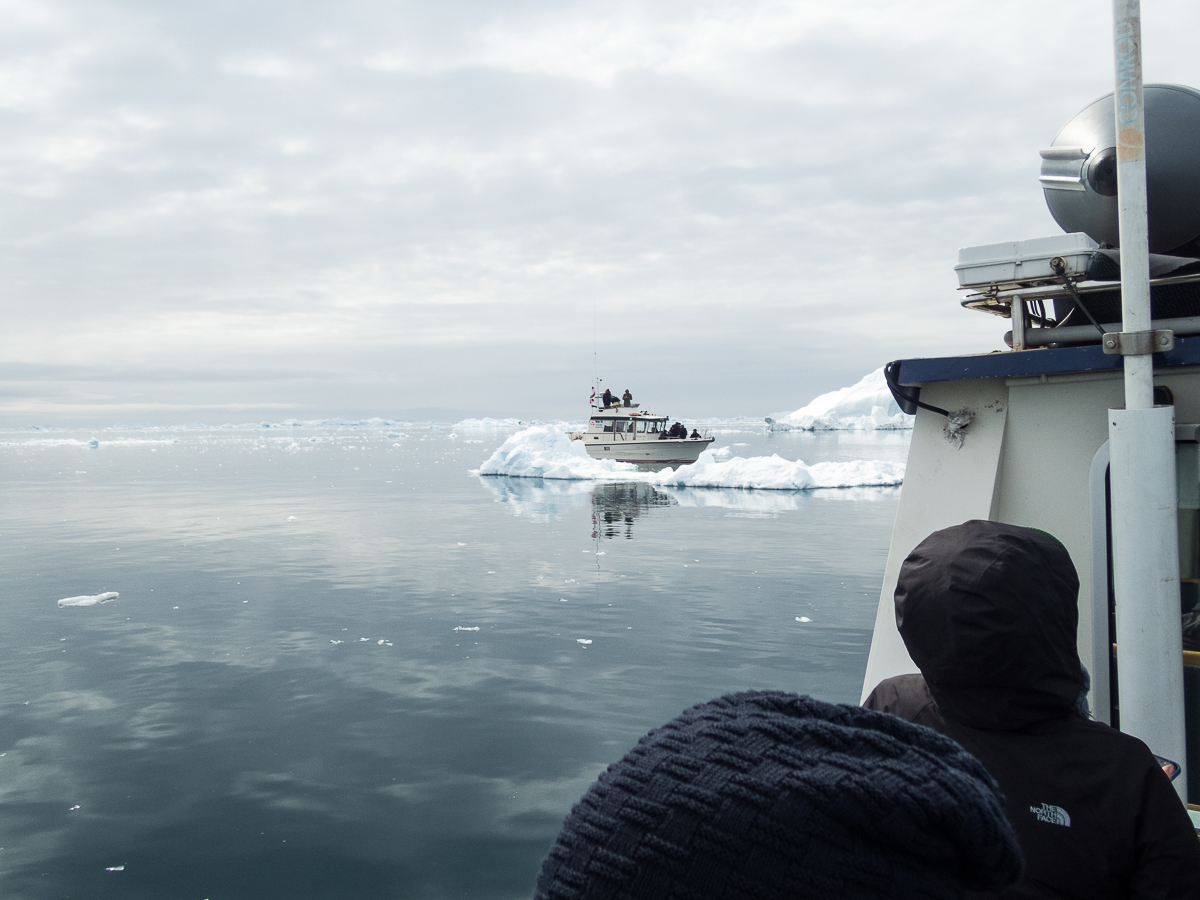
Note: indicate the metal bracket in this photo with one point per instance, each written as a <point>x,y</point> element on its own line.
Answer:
<point>1138,343</point>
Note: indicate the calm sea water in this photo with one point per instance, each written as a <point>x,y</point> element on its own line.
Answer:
<point>343,666</point>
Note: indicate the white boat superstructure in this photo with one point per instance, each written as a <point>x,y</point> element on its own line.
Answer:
<point>1053,436</point>
<point>630,434</point>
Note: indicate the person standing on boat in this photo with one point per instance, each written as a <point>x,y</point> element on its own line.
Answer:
<point>988,613</point>
<point>608,398</point>
<point>627,397</point>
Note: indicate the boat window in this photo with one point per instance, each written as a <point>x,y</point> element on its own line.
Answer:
<point>629,426</point>
<point>653,427</point>
<point>641,427</point>
<point>608,426</point>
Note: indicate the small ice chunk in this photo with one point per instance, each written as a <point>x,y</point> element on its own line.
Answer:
<point>379,642</point>
<point>562,599</point>
<point>73,808</point>
<point>89,599</point>
<point>337,642</point>
<point>584,641</point>
<point>292,519</point>
<point>120,868</point>
<point>465,628</point>
<point>93,443</point>
<point>803,619</point>
<point>364,640</point>
<point>461,544</point>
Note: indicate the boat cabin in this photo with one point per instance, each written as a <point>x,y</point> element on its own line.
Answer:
<point>629,425</point>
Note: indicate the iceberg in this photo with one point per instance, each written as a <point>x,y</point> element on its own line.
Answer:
<point>89,599</point>
<point>543,451</point>
<point>865,406</point>
<point>774,473</point>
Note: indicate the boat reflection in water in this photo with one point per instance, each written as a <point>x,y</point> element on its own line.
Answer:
<point>615,506</point>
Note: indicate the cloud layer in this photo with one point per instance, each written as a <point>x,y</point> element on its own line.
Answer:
<point>365,208</point>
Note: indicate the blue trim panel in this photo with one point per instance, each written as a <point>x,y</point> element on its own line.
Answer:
<point>1056,361</point>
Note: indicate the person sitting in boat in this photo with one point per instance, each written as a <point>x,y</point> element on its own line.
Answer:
<point>776,796</point>
<point>607,398</point>
<point>627,397</point>
<point>695,435</point>
<point>988,613</point>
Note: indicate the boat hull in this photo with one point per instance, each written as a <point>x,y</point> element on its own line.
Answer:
<point>673,451</point>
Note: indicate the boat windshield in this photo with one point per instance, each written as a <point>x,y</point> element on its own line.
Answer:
<point>649,426</point>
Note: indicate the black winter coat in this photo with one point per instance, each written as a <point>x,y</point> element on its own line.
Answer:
<point>988,613</point>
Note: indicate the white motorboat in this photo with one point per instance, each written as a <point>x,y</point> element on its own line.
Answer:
<point>630,434</point>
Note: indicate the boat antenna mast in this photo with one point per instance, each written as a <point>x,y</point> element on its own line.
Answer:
<point>1142,448</point>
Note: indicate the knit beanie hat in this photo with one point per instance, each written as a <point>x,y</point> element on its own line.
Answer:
<point>770,795</point>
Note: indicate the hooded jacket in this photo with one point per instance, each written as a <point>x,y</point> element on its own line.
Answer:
<point>988,613</point>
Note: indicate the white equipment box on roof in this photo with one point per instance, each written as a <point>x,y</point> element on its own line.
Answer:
<point>1024,263</point>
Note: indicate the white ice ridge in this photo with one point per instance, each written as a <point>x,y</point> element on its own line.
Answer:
<point>866,406</point>
<point>467,424</point>
<point>546,452</point>
<point>89,599</point>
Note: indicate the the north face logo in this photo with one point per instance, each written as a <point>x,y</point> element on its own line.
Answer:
<point>1055,815</point>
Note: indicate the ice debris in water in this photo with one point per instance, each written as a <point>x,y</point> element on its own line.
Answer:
<point>465,628</point>
<point>584,641</point>
<point>120,868</point>
<point>803,619</point>
<point>337,642</point>
<point>543,452</point>
<point>89,599</point>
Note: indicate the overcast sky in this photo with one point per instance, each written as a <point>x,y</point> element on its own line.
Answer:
<point>227,212</point>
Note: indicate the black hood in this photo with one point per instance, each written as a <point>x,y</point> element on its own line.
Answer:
<point>988,613</point>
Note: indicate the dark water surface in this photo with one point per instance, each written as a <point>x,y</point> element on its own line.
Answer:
<point>205,731</point>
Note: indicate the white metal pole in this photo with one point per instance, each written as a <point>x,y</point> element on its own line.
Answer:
<point>1142,444</point>
<point>1131,197</point>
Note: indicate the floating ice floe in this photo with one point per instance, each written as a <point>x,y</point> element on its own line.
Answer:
<point>89,599</point>
<point>544,452</point>
<point>803,619</point>
<point>488,423</point>
<point>120,868</point>
<point>774,473</point>
<point>465,628</point>
<point>866,406</point>
<point>584,641</point>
